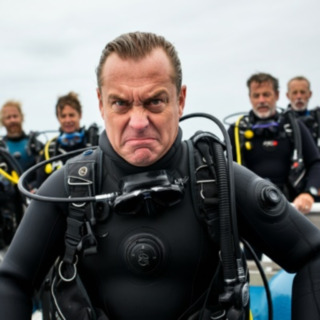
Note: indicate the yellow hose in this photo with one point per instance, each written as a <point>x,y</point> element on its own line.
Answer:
<point>46,148</point>
<point>48,167</point>
<point>237,140</point>
<point>14,178</point>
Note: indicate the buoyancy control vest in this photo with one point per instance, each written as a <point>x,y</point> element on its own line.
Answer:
<point>283,126</point>
<point>67,142</point>
<point>311,118</point>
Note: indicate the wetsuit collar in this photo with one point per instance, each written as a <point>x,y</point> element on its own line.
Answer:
<point>22,136</point>
<point>302,113</point>
<point>253,118</point>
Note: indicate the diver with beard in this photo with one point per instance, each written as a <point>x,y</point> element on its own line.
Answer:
<point>299,93</point>
<point>18,152</point>
<point>25,148</point>
<point>153,257</point>
<point>275,146</point>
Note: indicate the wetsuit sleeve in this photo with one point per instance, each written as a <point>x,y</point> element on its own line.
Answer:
<point>311,157</point>
<point>267,220</point>
<point>37,243</point>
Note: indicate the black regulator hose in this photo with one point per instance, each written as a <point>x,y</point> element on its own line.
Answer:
<point>34,196</point>
<point>11,160</point>
<point>226,242</point>
<point>296,135</point>
<point>229,225</point>
<point>226,119</point>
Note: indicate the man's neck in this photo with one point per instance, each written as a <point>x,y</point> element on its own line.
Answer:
<point>15,135</point>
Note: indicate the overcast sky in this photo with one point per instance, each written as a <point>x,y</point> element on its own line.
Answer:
<point>49,48</point>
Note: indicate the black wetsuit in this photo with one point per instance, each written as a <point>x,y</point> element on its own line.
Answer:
<point>11,201</point>
<point>270,152</point>
<point>125,292</point>
<point>311,119</point>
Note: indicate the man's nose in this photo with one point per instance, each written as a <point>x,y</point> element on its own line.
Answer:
<point>138,118</point>
<point>261,99</point>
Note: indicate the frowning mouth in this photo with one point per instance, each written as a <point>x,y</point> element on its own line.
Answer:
<point>141,140</point>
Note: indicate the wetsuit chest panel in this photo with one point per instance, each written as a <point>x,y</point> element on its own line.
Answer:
<point>269,158</point>
<point>150,267</point>
<point>19,148</point>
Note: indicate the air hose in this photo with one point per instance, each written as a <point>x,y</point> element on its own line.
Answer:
<point>237,140</point>
<point>228,224</point>
<point>11,161</point>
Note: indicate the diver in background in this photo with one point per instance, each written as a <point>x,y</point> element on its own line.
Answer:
<point>18,152</point>
<point>276,146</point>
<point>24,147</point>
<point>72,136</point>
<point>264,142</point>
<point>299,93</point>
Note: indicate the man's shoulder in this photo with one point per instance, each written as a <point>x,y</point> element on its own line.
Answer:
<point>314,111</point>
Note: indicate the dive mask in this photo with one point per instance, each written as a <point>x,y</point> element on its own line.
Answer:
<point>71,139</point>
<point>148,192</point>
<point>265,127</point>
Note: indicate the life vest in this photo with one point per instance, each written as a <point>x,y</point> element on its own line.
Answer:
<point>311,118</point>
<point>246,127</point>
<point>67,142</point>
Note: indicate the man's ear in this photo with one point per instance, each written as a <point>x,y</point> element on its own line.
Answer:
<point>287,94</point>
<point>99,95</point>
<point>182,99</point>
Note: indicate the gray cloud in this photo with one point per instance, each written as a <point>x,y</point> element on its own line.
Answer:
<point>50,48</point>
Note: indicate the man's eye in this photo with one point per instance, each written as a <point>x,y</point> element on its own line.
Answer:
<point>120,105</point>
<point>156,101</point>
<point>155,105</point>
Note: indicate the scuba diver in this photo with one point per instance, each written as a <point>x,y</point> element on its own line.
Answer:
<point>18,152</point>
<point>71,137</point>
<point>275,145</point>
<point>299,94</point>
<point>140,227</point>
<point>25,148</point>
